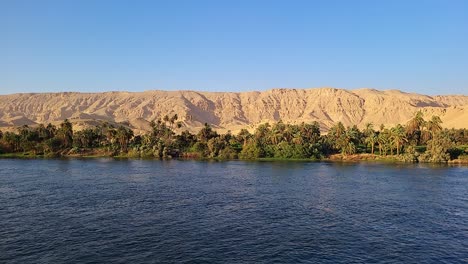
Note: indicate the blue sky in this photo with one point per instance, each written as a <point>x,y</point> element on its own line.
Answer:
<point>93,46</point>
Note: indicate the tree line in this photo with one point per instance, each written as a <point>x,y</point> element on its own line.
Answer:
<point>417,141</point>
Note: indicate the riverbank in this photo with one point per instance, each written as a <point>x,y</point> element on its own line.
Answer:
<point>363,157</point>
<point>101,153</point>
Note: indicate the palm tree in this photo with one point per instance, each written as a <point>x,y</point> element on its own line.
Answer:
<point>434,125</point>
<point>173,119</point>
<point>414,128</point>
<point>24,132</point>
<point>12,140</point>
<point>337,135</point>
<point>288,133</point>
<point>337,130</point>
<point>206,133</point>
<point>416,123</point>
<point>310,132</point>
<point>371,139</point>
<point>85,138</point>
<point>382,141</point>
<point>349,148</point>
<point>51,130</point>
<point>261,133</point>
<point>42,132</point>
<point>244,135</point>
<point>298,139</point>
<point>65,132</point>
<point>398,137</point>
<point>349,141</point>
<point>123,136</point>
<point>110,136</point>
<point>276,133</point>
<point>369,129</point>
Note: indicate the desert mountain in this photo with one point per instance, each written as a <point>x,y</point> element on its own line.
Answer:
<point>232,111</point>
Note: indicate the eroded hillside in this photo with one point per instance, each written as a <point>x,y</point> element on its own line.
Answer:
<point>232,111</point>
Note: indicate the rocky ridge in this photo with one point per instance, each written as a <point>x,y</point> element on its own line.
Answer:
<point>230,110</point>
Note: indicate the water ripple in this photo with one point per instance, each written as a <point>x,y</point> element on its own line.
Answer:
<point>117,211</point>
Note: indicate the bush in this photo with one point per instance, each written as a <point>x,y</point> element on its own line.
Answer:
<point>455,153</point>
<point>133,153</point>
<point>227,153</point>
<point>251,151</point>
<point>290,151</point>
<point>411,155</point>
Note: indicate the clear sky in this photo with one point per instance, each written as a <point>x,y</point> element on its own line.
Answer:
<point>103,45</point>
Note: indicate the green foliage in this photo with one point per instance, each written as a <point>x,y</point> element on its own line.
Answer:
<point>455,152</point>
<point>206,133</point>
<point>278,141</point>
<point>438,148</point>
<point>370,136</point>
<point>414,128</point>
<point>200,148</point>
<point>65,133</point>
<point>252,151</point>
<point>227,153</point>
<point>52,145</point>
<point>410,155</point>
<point>344,139</point>
<point>285,150</point>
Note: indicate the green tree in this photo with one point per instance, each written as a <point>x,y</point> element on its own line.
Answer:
<point>370,136</point>
<point>261,134</point>
<point>12,141</point>
<point>284,150</point>
<point>215,145</point>
<point>337,135</point>
<point>65,133</point>
<point>123,136</point>
<point>206,133</point>
<point>251,151</point>
<point>414,127</point>
<point>398,137</point>
<point>85,138</point>
<point>310,132</point>
<point>345,140</point>
<point>438,148</point>
<point>243,136</point>
<point>383,140</point>
<point>434,125</point>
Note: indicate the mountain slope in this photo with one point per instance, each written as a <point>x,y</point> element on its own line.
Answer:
<point>233,111</point>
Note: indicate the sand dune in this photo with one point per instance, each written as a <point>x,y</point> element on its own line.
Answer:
<point>232,111</point>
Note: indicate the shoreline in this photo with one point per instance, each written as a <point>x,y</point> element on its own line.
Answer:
<point>335,158</point>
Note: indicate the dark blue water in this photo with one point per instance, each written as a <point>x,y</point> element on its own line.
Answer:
<point>120,211</point>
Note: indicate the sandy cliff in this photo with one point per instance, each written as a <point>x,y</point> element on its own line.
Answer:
<point>232,111</point>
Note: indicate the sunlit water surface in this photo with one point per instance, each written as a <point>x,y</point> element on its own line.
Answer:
<point>142,211</point>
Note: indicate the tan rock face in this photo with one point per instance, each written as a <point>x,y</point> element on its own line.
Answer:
<point>233,111</point>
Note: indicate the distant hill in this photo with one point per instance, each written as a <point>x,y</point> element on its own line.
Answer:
<point>232,111</point>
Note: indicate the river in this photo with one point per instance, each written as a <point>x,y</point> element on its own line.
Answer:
<point>144,211</point>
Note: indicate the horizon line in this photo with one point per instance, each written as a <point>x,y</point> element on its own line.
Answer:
<point>235,92</point>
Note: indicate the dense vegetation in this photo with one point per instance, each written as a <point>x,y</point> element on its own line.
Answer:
<point>419,140</point>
